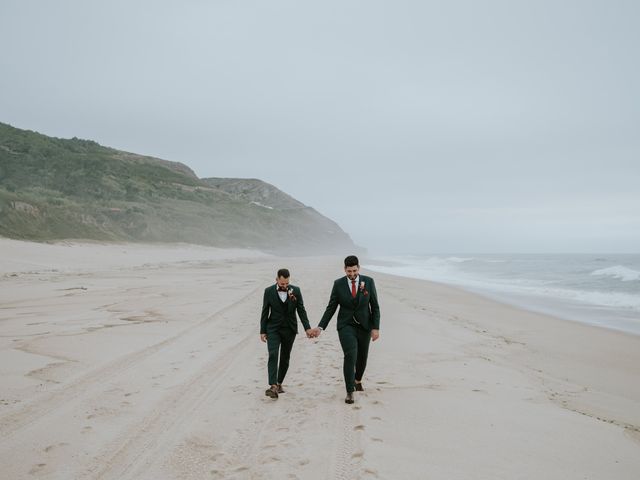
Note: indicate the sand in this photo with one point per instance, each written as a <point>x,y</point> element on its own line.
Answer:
<point>138,361</point>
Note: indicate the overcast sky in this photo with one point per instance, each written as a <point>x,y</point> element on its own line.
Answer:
<point>420,127</point>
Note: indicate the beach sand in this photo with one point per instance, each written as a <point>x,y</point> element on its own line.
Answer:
<point>144,362</point>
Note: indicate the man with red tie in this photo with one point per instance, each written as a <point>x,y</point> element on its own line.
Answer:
<point>358,321</point>
<point>279,327</point>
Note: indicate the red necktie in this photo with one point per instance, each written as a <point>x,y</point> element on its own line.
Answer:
<point>353,288</point>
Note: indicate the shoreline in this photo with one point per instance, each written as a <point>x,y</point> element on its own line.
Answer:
<point>569,310</point>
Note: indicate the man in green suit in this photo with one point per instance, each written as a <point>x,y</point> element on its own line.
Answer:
<point>279,327</point>
<point>358,321</point>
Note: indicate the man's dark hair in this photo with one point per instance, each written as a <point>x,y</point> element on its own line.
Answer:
<point>284,273</point>
<point>351,261</point>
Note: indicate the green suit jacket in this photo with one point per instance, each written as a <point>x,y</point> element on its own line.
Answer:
<point>363,309</point>
<point>276,313</point>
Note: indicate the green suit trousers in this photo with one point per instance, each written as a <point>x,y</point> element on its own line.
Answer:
<point>355,342</point>
<point>279,341</point>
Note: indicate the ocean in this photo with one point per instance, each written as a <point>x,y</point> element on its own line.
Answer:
<point>598,289</point>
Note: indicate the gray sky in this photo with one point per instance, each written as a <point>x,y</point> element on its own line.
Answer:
<point>458,126</point>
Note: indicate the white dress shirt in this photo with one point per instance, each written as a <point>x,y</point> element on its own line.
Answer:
<point>282,295</point>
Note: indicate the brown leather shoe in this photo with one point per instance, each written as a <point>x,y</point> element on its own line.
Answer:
<point>349,398</point>
<point>272,392</point>
<point>359,387</point>
<point>279,388</point>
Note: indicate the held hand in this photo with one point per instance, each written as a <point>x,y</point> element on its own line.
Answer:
<point>263,337</point>
<point>313,333</point>
<point>375,334</point>
<point>317,332</point>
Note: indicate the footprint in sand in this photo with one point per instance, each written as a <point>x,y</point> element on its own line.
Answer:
<point>86,429</point>
<point>358,427</point>
<point>376,418</point>
<point>37,468</point>
<point>374,439</point>
<point>359,454</point>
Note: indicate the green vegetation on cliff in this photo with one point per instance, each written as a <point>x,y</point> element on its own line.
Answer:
<point>53,189</point>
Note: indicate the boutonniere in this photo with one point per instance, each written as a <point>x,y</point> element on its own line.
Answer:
<point>292,297</point>
<point>362,289</point>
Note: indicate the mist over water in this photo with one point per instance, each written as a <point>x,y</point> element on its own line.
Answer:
<point>599,289</point>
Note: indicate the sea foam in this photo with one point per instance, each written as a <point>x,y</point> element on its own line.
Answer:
<point>620,272</point>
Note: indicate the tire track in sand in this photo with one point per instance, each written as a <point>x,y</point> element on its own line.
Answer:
<point>136,448</point>
<point>43,405</point>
